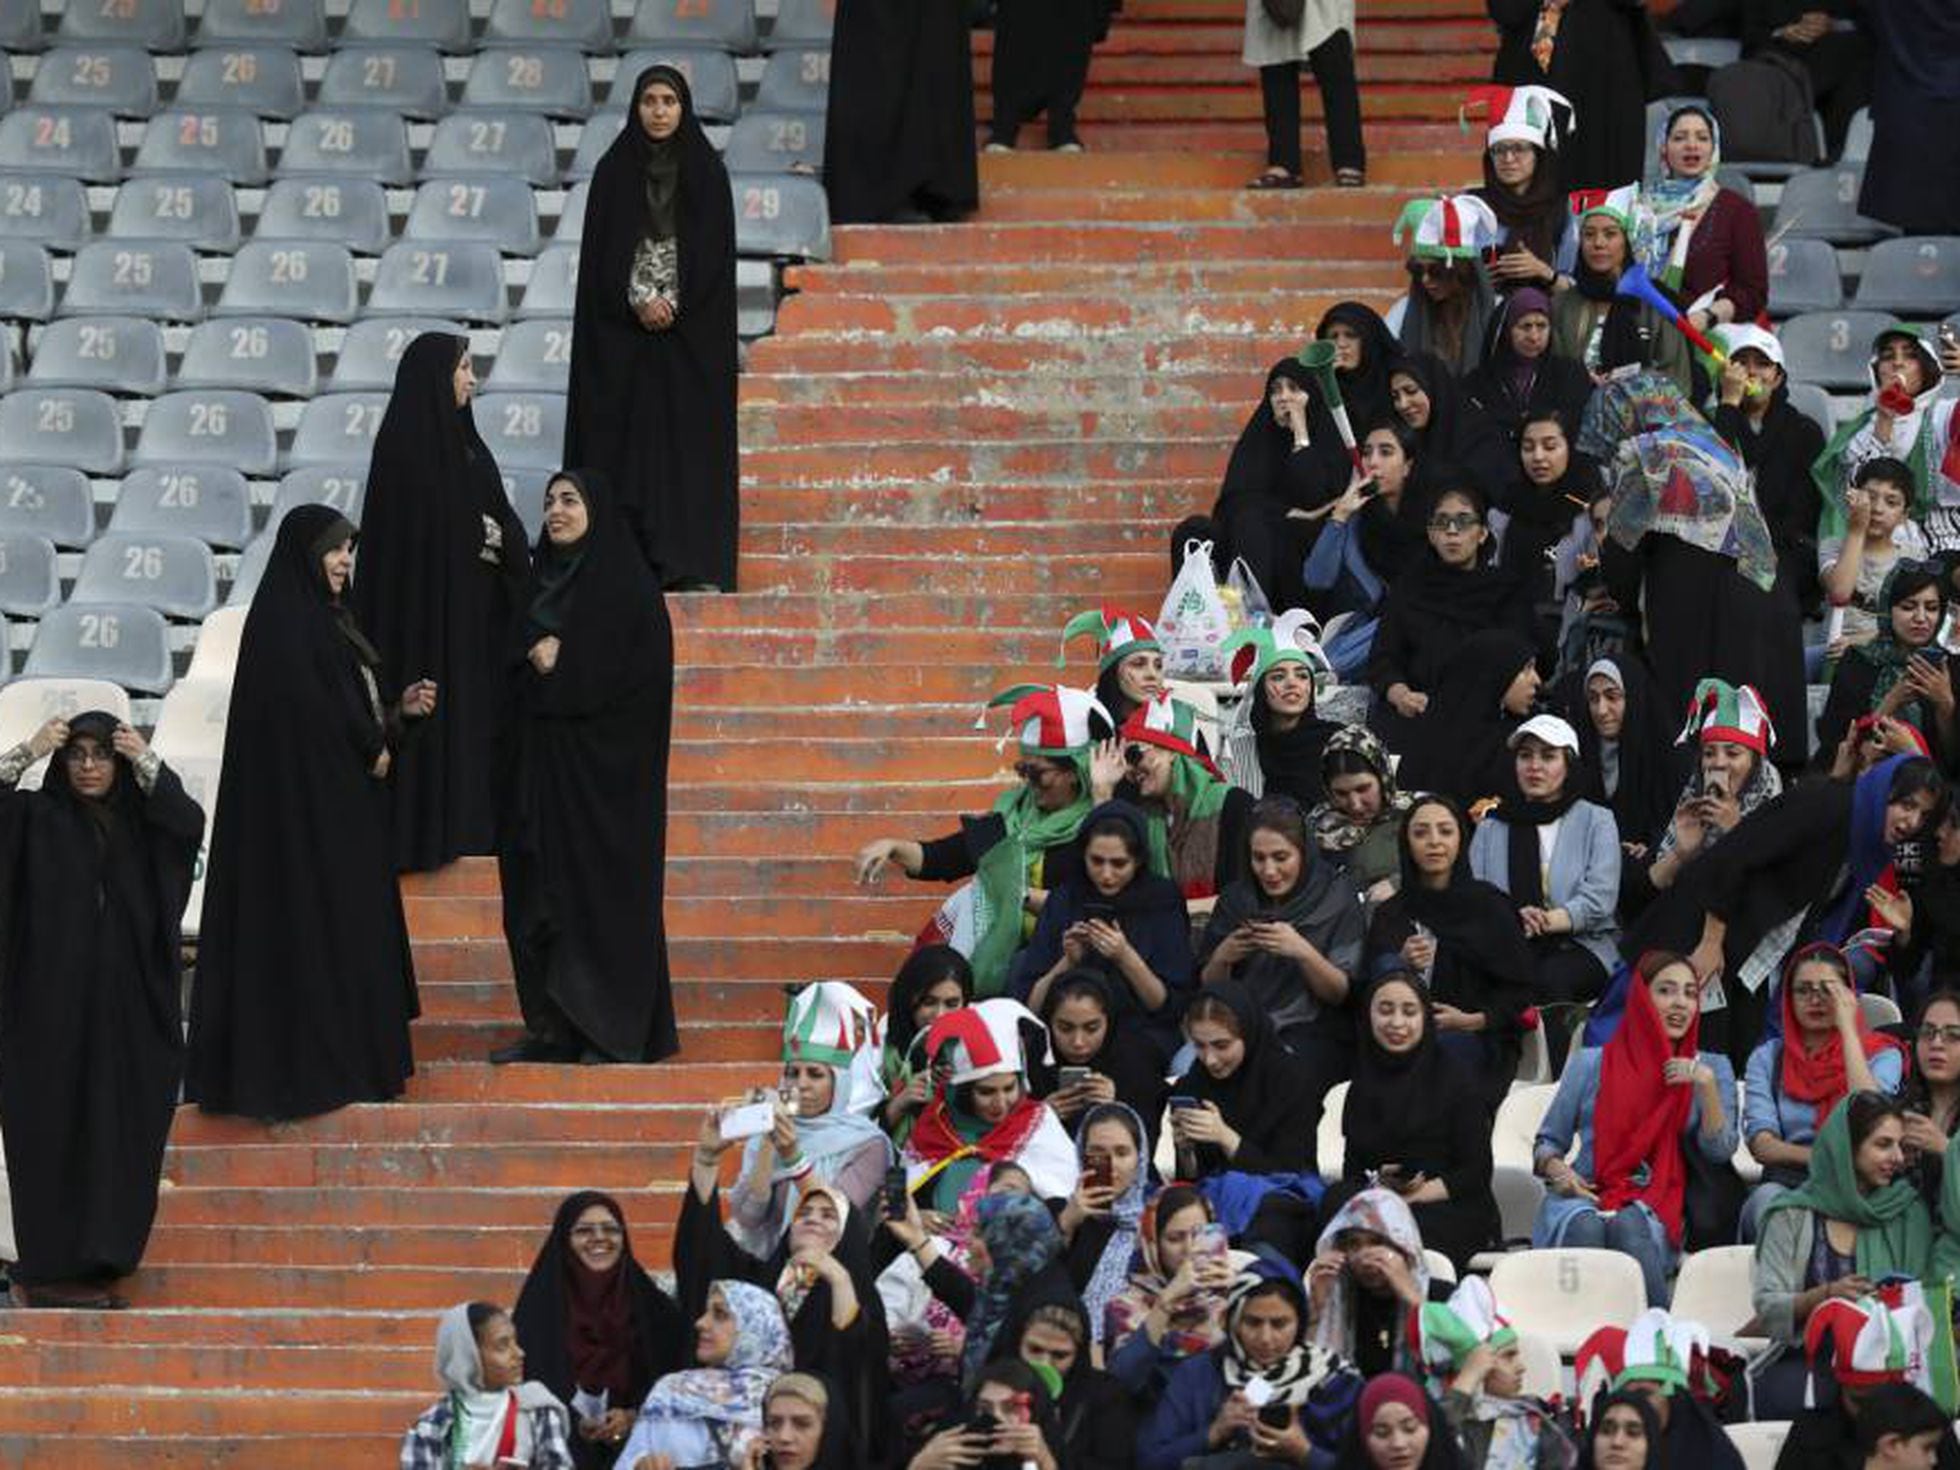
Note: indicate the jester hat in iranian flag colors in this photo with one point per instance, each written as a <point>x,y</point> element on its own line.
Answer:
<point>1869,1343</point>
<point>828,1023</point>
<point>1454,227</point>
<point>1722,711</point>
<point>1254,652</point>
<point>1621,205</point>
<point>1172,724</point>
<point>1657,1348</point>
<point>985,1039</point>
<point>1448,1332</point>
<point>1531,114</point>
<point>1052,720</point>
<point>1118,634</point>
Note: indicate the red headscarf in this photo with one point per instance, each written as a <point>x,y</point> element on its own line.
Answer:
<point>1390,1388</point>
<point>1639,1115</point>
<point>1818,1077</point>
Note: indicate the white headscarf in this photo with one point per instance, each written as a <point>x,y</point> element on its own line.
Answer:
<point>479,1412</point>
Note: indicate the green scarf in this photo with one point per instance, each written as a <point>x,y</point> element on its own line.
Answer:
<point>1895,1233</point>
<point>1946,1249</point>
<point>1194,794</point>
<point>1001,877</point>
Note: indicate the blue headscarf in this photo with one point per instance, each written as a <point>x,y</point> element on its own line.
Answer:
<point>1868,853</point>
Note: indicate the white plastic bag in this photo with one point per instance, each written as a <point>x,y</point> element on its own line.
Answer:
<point>1245,600</point>
<point>1193,626</point>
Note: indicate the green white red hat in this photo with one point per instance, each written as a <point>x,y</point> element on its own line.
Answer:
<point>1658,1348</point>
<point>1118,634</point>
<point>1254,652</point>
<point>1448,1332</point>
<point>1530,114</point>
<point>1723,711</point>
<point>1173,725</point>
<point>1621,205</point>
<point>1052,720</point>
<point>986,1039</point>
<point>1868,1342</point>
<point>828,1023</point>
<point>1453,227</point>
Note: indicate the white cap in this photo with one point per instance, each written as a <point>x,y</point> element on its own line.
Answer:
<point>1550,729</point>
<point>1739,335</point>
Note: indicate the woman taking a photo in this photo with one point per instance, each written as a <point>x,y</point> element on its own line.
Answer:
<point>1902,673</point>
<point>1173,1306</point>
<point>1371,535</point>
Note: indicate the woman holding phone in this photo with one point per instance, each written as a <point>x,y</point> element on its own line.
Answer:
<point>1173,1306</point>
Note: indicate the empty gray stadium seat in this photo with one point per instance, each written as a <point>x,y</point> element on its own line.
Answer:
<point>1833,349</point>
<point>340,485</point>
<point>46,208</point>
<point>338,429</point>
<point>585,24</point>
<point>55,501</point>
<point>26,279</point>
<point>501,213</point>
<point>30,580</point>
<point>372,350</point>
<point>211,502</point>
<point>230,144</point>
<point>120,642</point>
<point>523,431</point>
<point>209,426</point>
<point>1803,276</point>
<point>1918,277</point>
<point>710,78</point>
<point>755,298</point>
<point>157,25</point>
<point>1858,137</point>
<point>118,354</point>
<point>20,26</point>
<point>546,79</point>
<point>553,288</point>
<point>173,574</point>
<point>251,568</point>
<point>593,141</point>
<point>300,24</point>
<point>198,210</point>
<point>534,356</point>
<point>727,25</point>
<point>301,278</point>
<point>797,79</point>
<point>152,278</point>
<point>79,142</point>
<point>63,426</point>
<point>444,23</point>
<point>264,80</point>
<point>120,78</point>
<point>272,355</point>
<point>362,141</point>
<point>404,79</point>
<point>461,281</point>
<point>801,22</point>
<point>521,146</point>
<point>1823,203</point>
<point>350,212</point>
<point>775,142</point>
<point>9,370</point>
<point>571,216</point>
<point>781,216</point>
<point>524,489</point>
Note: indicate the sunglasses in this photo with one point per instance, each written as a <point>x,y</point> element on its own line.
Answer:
<point>1133,754</point>
<point>1428,270</point>
<point>1454,520</point>
<point>1033,773</point>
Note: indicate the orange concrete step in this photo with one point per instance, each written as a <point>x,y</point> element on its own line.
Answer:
<point>215,1327</point>
<point>570,1086</point>
<point>925,611</point>
<point>895,645</point>
<point>198,1452</point>
<point>435,1125</point>
<point>783,873</point>
<point>1018,277</point>
<point>70,1367</point>
<point>692,918</point>
<point>1128,162</point>
<point>1368,13</point>
<point>1142,102</point>
<point>1399,151</point>
<point>797,424</point>
<point>485,1166</point>
<point>723,685</point>
<point>881,461</point>
<point>1200,39</point>
<point>702,1039</point>
<point>1191,70</point>
<point>141,1411</point>
<point>1155,202</point>
<point>753,956</point>
<point>650,1209</point>
<point>1056,315</point>
<point>912,244</point>
<point>1036,360</point>
<point>953,504</point>
<point>728,1003</point>
<point>1114,577</point>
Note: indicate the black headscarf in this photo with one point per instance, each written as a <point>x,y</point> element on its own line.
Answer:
<point>1522,816</point>
<point>1643,797</point>
<point>1542,515</point>
<point>923,967</point>
<point>1264,461</point>
<point>1265,1098</point>
<point>1126,1057</point>
<point>1474,597</point>
<point>659,159</point>
<point>1393,1096</point>
<point>1650,1420</point>
<point>1289,760</point>
<point>1457,746</point>
<point>1364,389</point>
<point>1459,436</point>
<point>579,1329</point>
<point>1534,219</point>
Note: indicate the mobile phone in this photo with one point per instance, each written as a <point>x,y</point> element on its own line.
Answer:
<point>982,1421</point>
<point>746,1120</point>
<point>1714,790</point>
<point>1099,908</point>
<point>896,1191</point>
<point>1178,1101</point>
<point>1097,1171</point>
<point>1209,1239</point>
<point>1073,1076</point>
<point>1275,1416</point>
<point>1933,654</point>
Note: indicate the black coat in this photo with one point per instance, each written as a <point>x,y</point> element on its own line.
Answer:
<point>1781,453</point>
<point>91,1045</point>
<point>1559,384</point>
<point>304,985</point>
<point>900,132</point>
<point>654,411</point>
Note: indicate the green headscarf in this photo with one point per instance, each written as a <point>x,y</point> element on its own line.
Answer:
<point>1193,794</point>
<point>1001,878</point>
<point>1895,1233</point>
<point>1946,1249</point>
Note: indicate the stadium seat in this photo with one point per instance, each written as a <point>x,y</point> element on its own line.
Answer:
<point>1814,404</point>
<point>443,23</point>
<point>523,431</point>
<point>28,704</point>
<point>81,427</point>
<point>229,144</point>
<point>1519,1192</point>
<point>47,209</point>
<point>1544,1374</point>
<point>272,355</point>
<point>155,279</point>
<point>1858,138</point>
<point>76,142</point>
<point>119,643</point>
<point>118,354</point>
<point>775,142</point>
<point>1713,1288</point>
<point>500,213</point>
<point>1803,276</point>
<point>301,278</point>
<point>1729,177</point>
<point>156,25</point>
<point>553,287</point>
<point>20,26</point>
<point>797,79</point>
<point>350,212</point>
<point>9,369</point>
<point>520,146</point>
<point>371,350</point>
<point>801,23</point>
<point>524,489</point>
<point>216,656</point>
<point>1705,51</point>
<point>211,502</point>
<point>251,567</point>
<point>337,429</point>
<point>546,79</point>
<point>1822,203</point>
<point>1441,1267</point>
<point>534,356</point>
<point>1833,349</point>
<point>340,486</point>
<point>1759,1442</point>
<point>300,24</point>
<point>1330,1143</point>
<point>1564,1296</point>
<point>1515,1129</point>
<point>710,78</point>
<point>190,723</point>
<point>55,501</point>
<point>122,79</point>
<point>1918,277</point>
<point>782,216</point>
<point>264,80</point>
<point>197,210</point>
<point>1879,1010</point>
<point>726,25</point>
<point>594,139</point>
<point>171,573</point>
<point>209,426</point>
<point>584,24</point>
<point>571,217</point>
<point>365,142</point>
<point>461,281</point>
<point>403,79</point>
<point>29,581</point>
<point>26,280</point>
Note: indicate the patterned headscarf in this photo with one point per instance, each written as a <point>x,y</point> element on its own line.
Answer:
<point>1022,1239</point>
<point>1331,828</point>
<point>1112,1268</point>
<point>1306,1364</point>
<point>1379,1212</point>
<point>730,1394</point>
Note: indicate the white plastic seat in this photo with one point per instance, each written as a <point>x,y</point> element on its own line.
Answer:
<point>500,213</point>
<point>463,281</point>
<point>251,567</point>
<point>310,279</point>
<point>146,278</point>
<point>1858,137</point>
<point>404,79</point>
<point>1565,1295</point>
<point>1823,203</point>
<point>1803,276</point>
<point>710,74</point>
<point>155,25</point>
<point>583,24</point>
<point>594,139</point>
<point>1514,1131</point>
<point>27,704</point>
<point>269,355</point>
<point>43,209</point>
<point>198,210</point>
<point>1879,1010</point>
<point>534,356</point>
<point>118,354</point>
<point>56,501</point>
<point>191,722</point>
<point>300,24</point>
<point>1918,276</point>
<point>725,25</point>
<point>372,350</point>
<point>775,143</point>
<point>215,658</point>
<point>81,427</point>
<point>337,211</point>
<point>1759,1442</point>
<point>171,573</point>
<point>552,80</point>
<point>341,486</point>
<point>227,143</point>
<point>76,142</point>
<point>211,502</point>
<point>522,431</point>
<point>122,79</point>
<point>1814,404</point>
<point>1330,1143</point>
<point>1441,1267</point>
<point>1713,1288</point>
<point>797,79</point>
<point>440,23</point>
<point>262,80</point>
<point>30,583</point>
<point>1832,349</point>
<point>209,426</point>
<point>1519,1192</point>
<point>363,142</point>
<point>338,429</point>
<point>1708,51</point>
<point>119,643</point>
<point>1544,1374</point>
<point>520,146</point>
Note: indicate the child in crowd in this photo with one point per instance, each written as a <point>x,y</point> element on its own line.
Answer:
<point>1878,532</point>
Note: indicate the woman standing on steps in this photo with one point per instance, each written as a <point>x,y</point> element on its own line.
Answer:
<point>1320,33</point>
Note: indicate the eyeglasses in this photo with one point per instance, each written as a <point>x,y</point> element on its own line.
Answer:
<point>1454,520</point>
<point>1033,773</point>
<point>87,755</point>
<point>1509,150</point>
<point>597,1232</point>
<point>1811,990</point>
<point>1949,1034</point>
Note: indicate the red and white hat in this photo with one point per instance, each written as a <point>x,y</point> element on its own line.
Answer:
<point>1723,711</point>
<point>986,1039</point>
<point>1454,227</point>
<point>1118,634</point>
<point>1658,1348</point>
<point>1172,724</point>
<point>1864,1342</point>
<point>1052,719</point>
<point>1531,114</point>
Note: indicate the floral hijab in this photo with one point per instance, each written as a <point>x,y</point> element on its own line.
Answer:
<point>1022,1240</point>
<point>1332,830</point>
<point>1379,1212</point>
<point>1197,1324</point>
<point>1112,1267</point>
<point>728,1397</point>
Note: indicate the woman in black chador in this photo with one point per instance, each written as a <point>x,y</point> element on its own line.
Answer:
<point>899,136</point>
<point>652,400</point>
<point>94,871</point>
<point>585,816</point>
<point>442,560</point>
<point>304,987</point>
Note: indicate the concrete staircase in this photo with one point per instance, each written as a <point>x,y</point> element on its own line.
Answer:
<point>960,435</point>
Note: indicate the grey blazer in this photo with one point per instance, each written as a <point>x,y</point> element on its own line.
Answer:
<point>1584,877</point>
